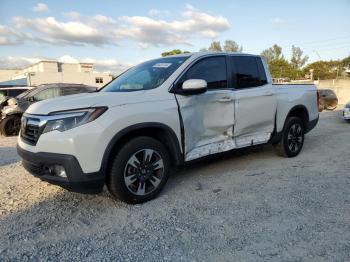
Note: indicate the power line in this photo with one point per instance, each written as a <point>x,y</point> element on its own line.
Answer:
<point>323,40</point>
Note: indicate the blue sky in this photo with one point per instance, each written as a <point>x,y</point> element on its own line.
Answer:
<point>116,33</point>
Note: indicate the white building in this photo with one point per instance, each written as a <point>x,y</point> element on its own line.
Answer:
<point>46,72</point>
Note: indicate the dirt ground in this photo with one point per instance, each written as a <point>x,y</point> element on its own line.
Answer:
<point>243,206</point>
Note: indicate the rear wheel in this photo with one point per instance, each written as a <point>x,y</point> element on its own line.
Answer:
<point>139,170</point>
<point>10,126</point>
<point>292,140</point>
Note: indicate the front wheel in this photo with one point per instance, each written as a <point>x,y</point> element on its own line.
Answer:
<point>139,170</point>
<point>292,140</point>
<point>10,126</point>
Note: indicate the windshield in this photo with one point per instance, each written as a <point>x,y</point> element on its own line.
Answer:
<point>25,93</point>
<point>145,76</point>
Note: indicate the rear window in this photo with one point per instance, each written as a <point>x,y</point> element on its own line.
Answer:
<point>248,71</point>
<point>72,90</point>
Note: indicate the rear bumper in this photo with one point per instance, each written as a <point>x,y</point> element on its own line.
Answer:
<point>77,181</point>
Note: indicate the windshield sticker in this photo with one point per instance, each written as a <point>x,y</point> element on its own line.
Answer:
<point>162,65</point>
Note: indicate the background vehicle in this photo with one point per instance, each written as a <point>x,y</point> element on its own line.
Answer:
<point>12,92</point>
<point>13,108</point>
<point>328,100</point>
<point>160,114</point>
<point>346,111</point>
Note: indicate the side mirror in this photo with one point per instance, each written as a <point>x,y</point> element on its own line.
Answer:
<point>194,86</point>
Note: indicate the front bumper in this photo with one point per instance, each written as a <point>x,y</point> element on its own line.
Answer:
<point>77,181</point>
<point>346,113</point>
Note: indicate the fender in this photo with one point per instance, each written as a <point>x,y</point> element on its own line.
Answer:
<point>277,135</point>
<point>174,146</point>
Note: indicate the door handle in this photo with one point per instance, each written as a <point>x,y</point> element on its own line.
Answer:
<point>225,99</point>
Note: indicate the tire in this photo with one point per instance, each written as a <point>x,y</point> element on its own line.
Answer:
<point>10,126</point>
<point>132,177</point>
<point>292,140</point>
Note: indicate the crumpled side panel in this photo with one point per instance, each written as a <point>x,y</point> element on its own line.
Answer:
<point>208,123</point>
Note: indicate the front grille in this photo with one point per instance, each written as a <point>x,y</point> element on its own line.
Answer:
<point>30,130</point>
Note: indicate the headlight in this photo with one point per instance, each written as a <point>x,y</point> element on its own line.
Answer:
<point>65,120</point>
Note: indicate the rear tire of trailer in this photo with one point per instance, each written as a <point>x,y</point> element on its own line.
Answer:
<point>10,126</point>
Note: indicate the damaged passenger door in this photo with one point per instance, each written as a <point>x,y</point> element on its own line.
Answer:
<point>208,118</point>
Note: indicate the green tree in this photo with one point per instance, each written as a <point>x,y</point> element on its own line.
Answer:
<point>298,60</point>
<point>232,46</point>
<point>281,68</point>
<point>272,53</point>
<point>229,46</point>
<point>325,69</point>
<point>215,46</point>
<point>174,52</point>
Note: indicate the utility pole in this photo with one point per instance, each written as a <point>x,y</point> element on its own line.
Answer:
<point>319,57</point>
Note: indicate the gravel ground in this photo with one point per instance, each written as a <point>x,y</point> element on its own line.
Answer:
<point>254,206</point>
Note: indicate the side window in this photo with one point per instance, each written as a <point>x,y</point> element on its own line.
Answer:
<point>15,93</point>
<point>211,69</point>
<point>99,80</point>
<point>248,71</point>
<point>72,90</point>
<point>47,94</point>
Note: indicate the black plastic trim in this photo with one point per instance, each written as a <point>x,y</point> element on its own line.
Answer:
<point>76,180</point>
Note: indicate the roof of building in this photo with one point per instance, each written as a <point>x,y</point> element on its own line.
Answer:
<point>15,82</point>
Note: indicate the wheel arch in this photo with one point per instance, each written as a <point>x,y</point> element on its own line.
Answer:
<point>296,111</point>
<point>301,112</point>
<point>159,131</point>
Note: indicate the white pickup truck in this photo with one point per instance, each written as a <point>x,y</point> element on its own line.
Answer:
<point>160,114</point>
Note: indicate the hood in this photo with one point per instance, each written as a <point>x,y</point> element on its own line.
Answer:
<point>109,99</point>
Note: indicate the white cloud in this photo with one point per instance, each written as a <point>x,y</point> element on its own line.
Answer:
<point>158,13</point>
<point>72,15</point>
<point>40,7</point>
<point>68,59</point>
<point>10,36</point>
<point>277,21</point>
<point>103,19</point>
<point>102,30</point>
<point>52,31</point>
<point>18,62</point>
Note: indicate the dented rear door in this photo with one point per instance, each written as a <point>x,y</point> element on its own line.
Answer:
<point>208,118</point>
<point>255,101</point>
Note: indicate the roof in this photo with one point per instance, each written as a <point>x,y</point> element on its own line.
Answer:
<point>17,88</point>
<point>199,54</point>
<point>15,82</point>
<point>64,85</point>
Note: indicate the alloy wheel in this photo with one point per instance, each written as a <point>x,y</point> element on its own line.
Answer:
<point>295,138</point>
<point>144,172</point>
